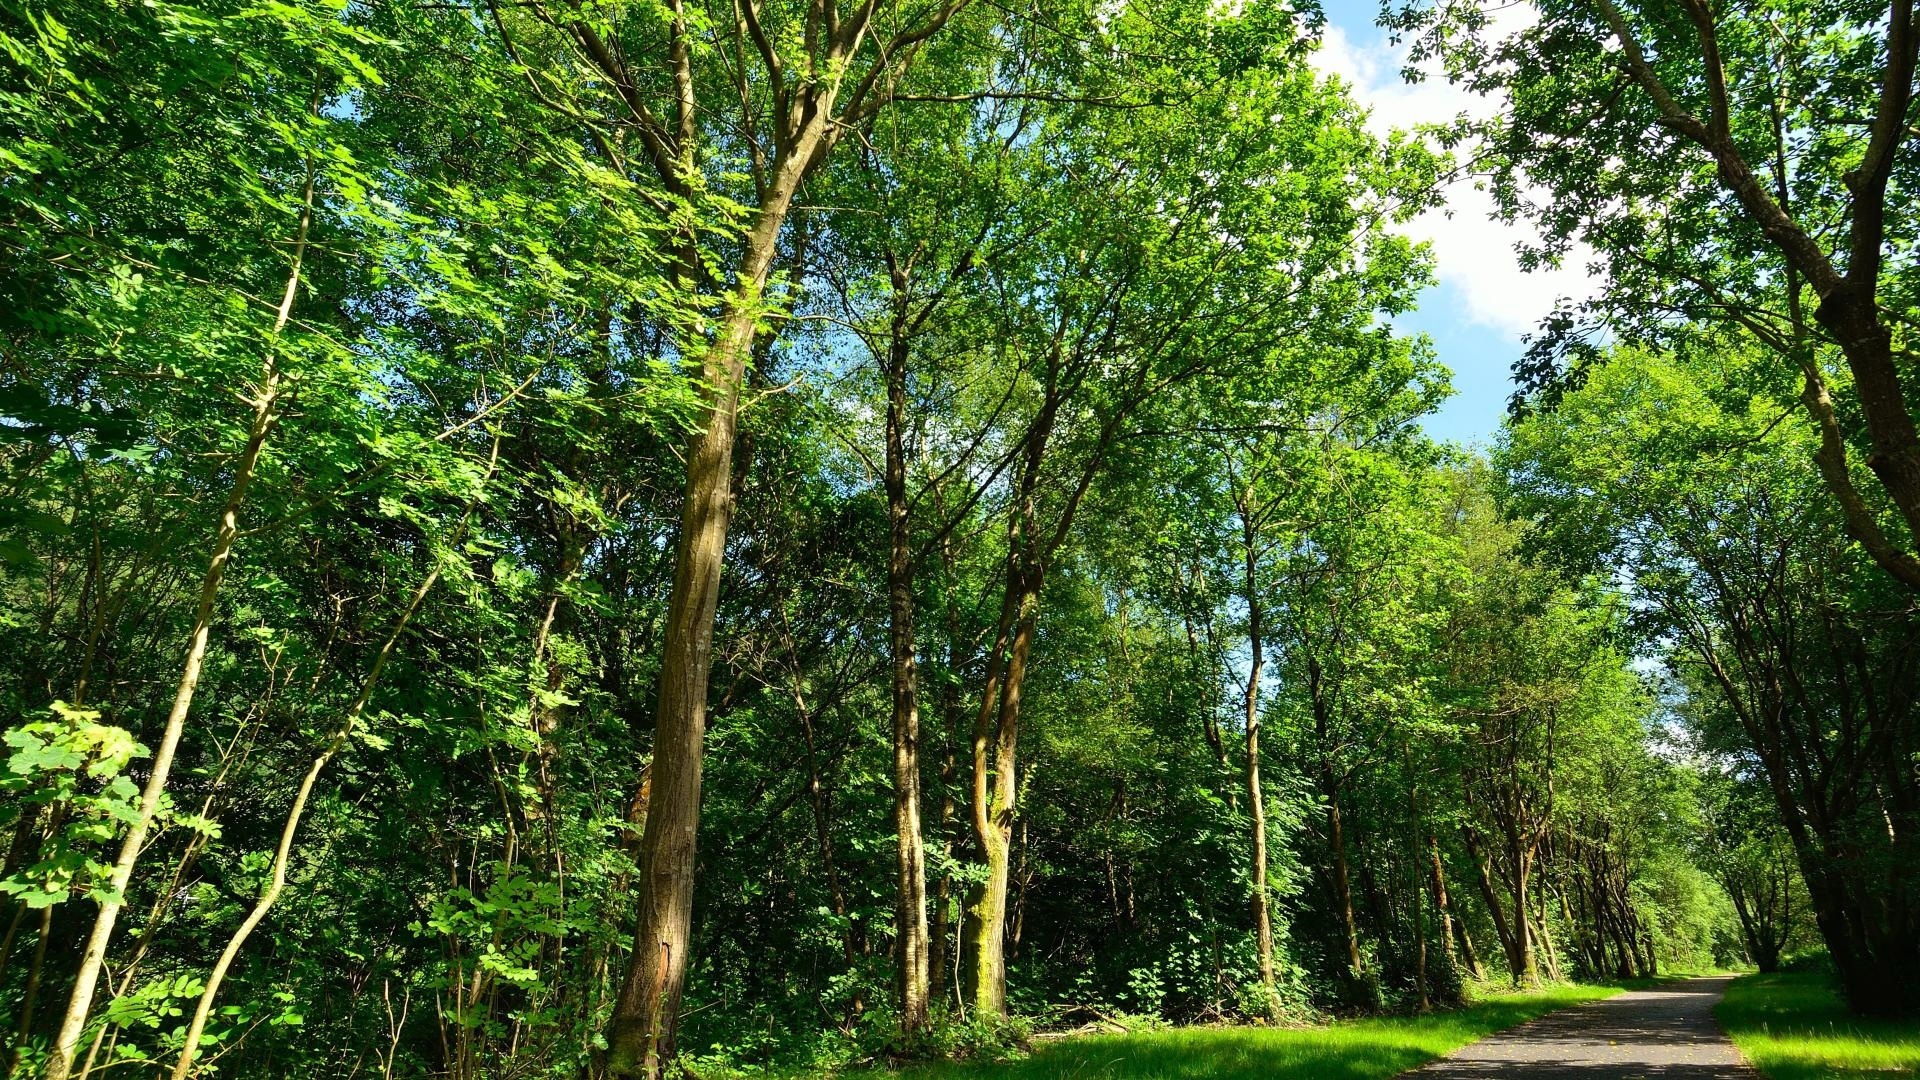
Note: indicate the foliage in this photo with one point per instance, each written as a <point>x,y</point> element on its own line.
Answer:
<point>1793,653</point>
<point>358,365</point>
<point>75,766</point>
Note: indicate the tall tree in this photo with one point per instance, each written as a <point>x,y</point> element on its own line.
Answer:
<point>1735,164</point>
<point>816,72</point>
<point>1115,322</point>
<point>938,195</point>
<point>1745,568</point>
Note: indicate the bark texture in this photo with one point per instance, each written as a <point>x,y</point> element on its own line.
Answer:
<point>646,1014</point>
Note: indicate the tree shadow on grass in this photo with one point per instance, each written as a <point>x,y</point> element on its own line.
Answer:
<point>1794,1026</point>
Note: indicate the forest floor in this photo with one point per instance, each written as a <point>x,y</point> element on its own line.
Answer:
<point>1348,1050</point>
<point>1793,1026</point>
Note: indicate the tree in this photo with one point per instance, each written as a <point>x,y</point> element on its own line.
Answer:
<point>1726,199</point>
<point>1747,573</point>
<point>1753,859</point>
<point>817,73</point>
<point>216,314</point>
<point>937,197</point>
<point>275,285</point>
<point>452,456</point>
<point>1113,321</point>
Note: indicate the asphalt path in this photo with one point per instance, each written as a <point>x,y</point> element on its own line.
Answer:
<point>1667,1033</point>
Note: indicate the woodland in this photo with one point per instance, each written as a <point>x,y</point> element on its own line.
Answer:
<point>638,538</point>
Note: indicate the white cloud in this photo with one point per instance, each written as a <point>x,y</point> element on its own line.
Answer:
<point>1472,252</point>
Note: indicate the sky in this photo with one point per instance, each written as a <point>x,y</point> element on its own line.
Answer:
<point>1482,302</point>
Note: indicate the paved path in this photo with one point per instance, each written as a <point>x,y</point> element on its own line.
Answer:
<point>1664,1034</point>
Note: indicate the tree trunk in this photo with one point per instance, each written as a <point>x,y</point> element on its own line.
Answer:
<point>1547,948</point>
<point>1467,952</point>
<point>939,959</point>
<point>1524,969</point>
<point>1024,875</point>
<point>1343,889</point>
<point>543,718</point>
<point>1448,931</point>
<point>646,1016</point>
<point>266,413</point>
<point>1336,836</point>
<point>1256,803</point>
<point>1852,315</point>
<point>30,995</point>
<point>910,905</point>
<point>938,956</point>
<point>1629,957</point>
<point>998,722</point>
<point>6,940</point>
<point>1209,721</point>
<point>979,802</point>
<point>1420,944</point>
<point>1490,896</point>
<point>995,804</point>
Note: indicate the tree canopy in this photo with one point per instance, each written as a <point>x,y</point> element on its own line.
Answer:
<point>603,538</point>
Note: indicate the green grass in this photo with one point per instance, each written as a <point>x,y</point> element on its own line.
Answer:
<point>1793,1026</point>
<point>1352,1050</point>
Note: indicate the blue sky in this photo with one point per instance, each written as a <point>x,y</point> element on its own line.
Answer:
<point>1483,302</point>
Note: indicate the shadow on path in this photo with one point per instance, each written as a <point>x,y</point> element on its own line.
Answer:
<point>1667,1033</point>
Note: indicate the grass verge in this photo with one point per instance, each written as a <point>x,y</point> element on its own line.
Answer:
<point>1351,1050</point>
<point>1793,1026</point>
